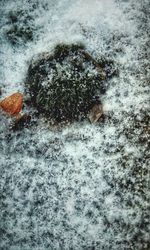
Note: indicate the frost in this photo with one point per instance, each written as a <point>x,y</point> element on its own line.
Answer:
<point>81,186</point>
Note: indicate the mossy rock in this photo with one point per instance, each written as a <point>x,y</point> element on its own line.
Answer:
<point>62,85</point>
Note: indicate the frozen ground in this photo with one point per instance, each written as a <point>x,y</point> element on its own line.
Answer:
<point>84,186</point>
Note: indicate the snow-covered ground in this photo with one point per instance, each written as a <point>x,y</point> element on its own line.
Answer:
<point>83,186</point>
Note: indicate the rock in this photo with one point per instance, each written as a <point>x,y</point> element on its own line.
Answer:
<point>61,85</point>
<point>12,104</point>
<point>95,113</point>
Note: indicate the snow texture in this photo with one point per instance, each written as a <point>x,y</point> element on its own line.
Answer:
<point>82,186</point>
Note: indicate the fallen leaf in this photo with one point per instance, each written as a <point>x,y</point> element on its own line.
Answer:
<point>95,113</point>
<point>12,104</point>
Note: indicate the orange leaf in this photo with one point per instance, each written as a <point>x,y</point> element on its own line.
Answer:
<point>12,104</point>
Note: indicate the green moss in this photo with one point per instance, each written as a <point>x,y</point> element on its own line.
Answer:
<point>15,34</point>
<point>20,27</point>
<point>62,85</point>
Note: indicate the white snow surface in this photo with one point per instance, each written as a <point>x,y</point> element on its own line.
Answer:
<point>83,186</point>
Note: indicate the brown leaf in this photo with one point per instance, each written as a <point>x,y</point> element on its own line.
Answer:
<point>12,104</point>
<point>95,113</point>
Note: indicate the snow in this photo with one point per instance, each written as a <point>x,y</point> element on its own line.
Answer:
<point>82,186</point>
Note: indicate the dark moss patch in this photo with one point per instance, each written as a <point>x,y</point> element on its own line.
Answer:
<point>21,28</point>
<point>23,122</point>
<point>63,85</point>
<point>19,34</point>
